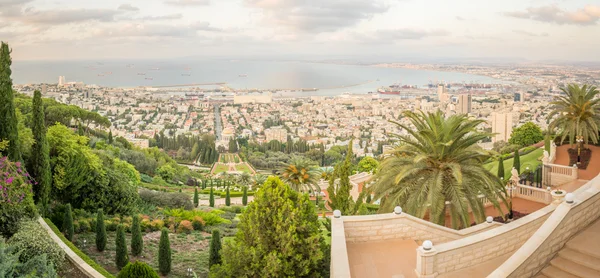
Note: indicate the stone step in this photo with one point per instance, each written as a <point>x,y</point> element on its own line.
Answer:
<point>574,268</point>
<point>553,272</point>
<point>580,258</point>
<point>541,276</point>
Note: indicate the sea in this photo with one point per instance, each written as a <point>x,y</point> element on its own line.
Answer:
<point>329,79</point>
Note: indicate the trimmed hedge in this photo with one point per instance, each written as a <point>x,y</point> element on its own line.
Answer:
<point>74,248</point>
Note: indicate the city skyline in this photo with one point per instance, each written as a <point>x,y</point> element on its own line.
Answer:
<point>164,29</point>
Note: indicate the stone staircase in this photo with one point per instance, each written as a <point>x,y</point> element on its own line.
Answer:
<point>580,257</point>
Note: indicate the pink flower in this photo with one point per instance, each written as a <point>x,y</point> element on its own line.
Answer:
<point>18,164</point>
<point>9,180</point>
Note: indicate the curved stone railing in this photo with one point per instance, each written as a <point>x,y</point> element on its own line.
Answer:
<point>388,226</point>
<point>561,174</point>
<point>480,248</point>
<point>566,221</point>
<point>78,262</point>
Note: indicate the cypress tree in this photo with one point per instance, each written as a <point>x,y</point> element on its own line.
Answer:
<point>80,130</point>
<point>547,142</point>
<point>245,196</point>
<point>121,259</point>
<point>40,158</point>
<point>179,190</point>
<point>215,246</point>
<point>211,199</point>
<point>110,137</point>
<point>368,200</point>
<point>67,228</point>
<point>517,162</point>
<point>137,243</point>
<point>164,252</point>
<point>501,167</point>
<point>227,198</point>
<point>196,197</point>
<point>8,116</point>
<point>100,231</point>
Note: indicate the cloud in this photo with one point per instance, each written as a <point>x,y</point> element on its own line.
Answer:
<point>317,15</point>
<point>460,18</point>
<point>163,17</point>
<point>188,2</point>
<point>57,17</point>
<point>203,26</point>
<point>530,34</point>
<point>396,35</point>
<point>588,15</point>
<point>128,7</point>
<point>13,3</point>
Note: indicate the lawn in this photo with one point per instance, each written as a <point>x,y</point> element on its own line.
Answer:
<point>243,167</point>
<point>188,250</point>
<point>530,160</point>
<point>219,168</point>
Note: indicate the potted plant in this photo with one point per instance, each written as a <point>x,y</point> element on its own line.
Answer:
<point>557,195</point>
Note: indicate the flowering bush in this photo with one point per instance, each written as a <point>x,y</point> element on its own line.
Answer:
<point>185,227</point>
<point>16,197</point>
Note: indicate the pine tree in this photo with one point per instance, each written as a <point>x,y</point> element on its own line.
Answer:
<point>100,231</point>
<point>121,258</point>
<point>215,246</point>
<point>8,116</point>
<point>211,199</point>
<point>501,167</point>
<point>67,228</point>
<point>39,163</point>
<point>164,252</point>
<point>227,197</point>
<point>137,242</point>
<point>245,196</point>
<point>196,197</point>
<point>110,137</point>
<point>517,162</point>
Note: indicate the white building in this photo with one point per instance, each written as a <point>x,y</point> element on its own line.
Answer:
<point>501,126</point>
<point>262,98</point>
<point>464,104</point>
<point>278,133</point>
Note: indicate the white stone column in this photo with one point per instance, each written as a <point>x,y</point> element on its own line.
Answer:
<point>425,262</point>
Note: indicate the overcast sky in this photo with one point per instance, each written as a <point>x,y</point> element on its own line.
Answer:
<point>104,29</point>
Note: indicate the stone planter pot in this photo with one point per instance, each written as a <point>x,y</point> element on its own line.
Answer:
<point>558,195</point>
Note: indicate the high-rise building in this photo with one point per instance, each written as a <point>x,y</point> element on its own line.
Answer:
<point>61,80</point>
<point>44,89</point>
<point>464,104</point>
<point>501,126</point>
<point>442,93</point>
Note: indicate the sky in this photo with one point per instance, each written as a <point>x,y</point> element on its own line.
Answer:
<point>533,30</point>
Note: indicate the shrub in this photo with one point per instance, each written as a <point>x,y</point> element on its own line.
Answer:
<point>215,246</point>
<point>84,226</point>
<point>100,231</point>
<point>137,243</point>
<point>157,224</point>
<point>16,200</point>
<point>121,258</point>
<point>137,270</point>
<point>145,178</point>
<point>10,266</point>
<point>198,223</point>
<point>68,229</point>
<point>111,225</point>
<point>185,226</point>
<point>164,253</point>
<point>82,255</point>
<point>210,218</point>
<point>31,240</point>
<point>164,199</point>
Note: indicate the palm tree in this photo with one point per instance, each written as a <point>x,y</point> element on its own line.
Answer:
<point>578,113</point>
<point>258,180</point>
<point>327,173</point>
<point>244,179</point>
<point>437,170</point>
<point>301,174</point>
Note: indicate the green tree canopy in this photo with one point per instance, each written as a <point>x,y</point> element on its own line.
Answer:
<point>8,116</point>
<point>368,164</point>
<point>278,236</point>
<point>526,135</point>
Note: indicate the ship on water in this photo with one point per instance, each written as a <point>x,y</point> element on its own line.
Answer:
<point>396,89</point>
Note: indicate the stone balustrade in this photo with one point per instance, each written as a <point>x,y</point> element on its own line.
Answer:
<point>566,221</point>
<point>532,193</point>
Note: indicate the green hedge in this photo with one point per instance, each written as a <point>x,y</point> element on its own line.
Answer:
<point>83,256</point>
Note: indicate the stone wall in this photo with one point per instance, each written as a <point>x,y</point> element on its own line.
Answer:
<point>340,266</point>
<point>404,226</point>
<point>564,223</point>
<point>482,247</point>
